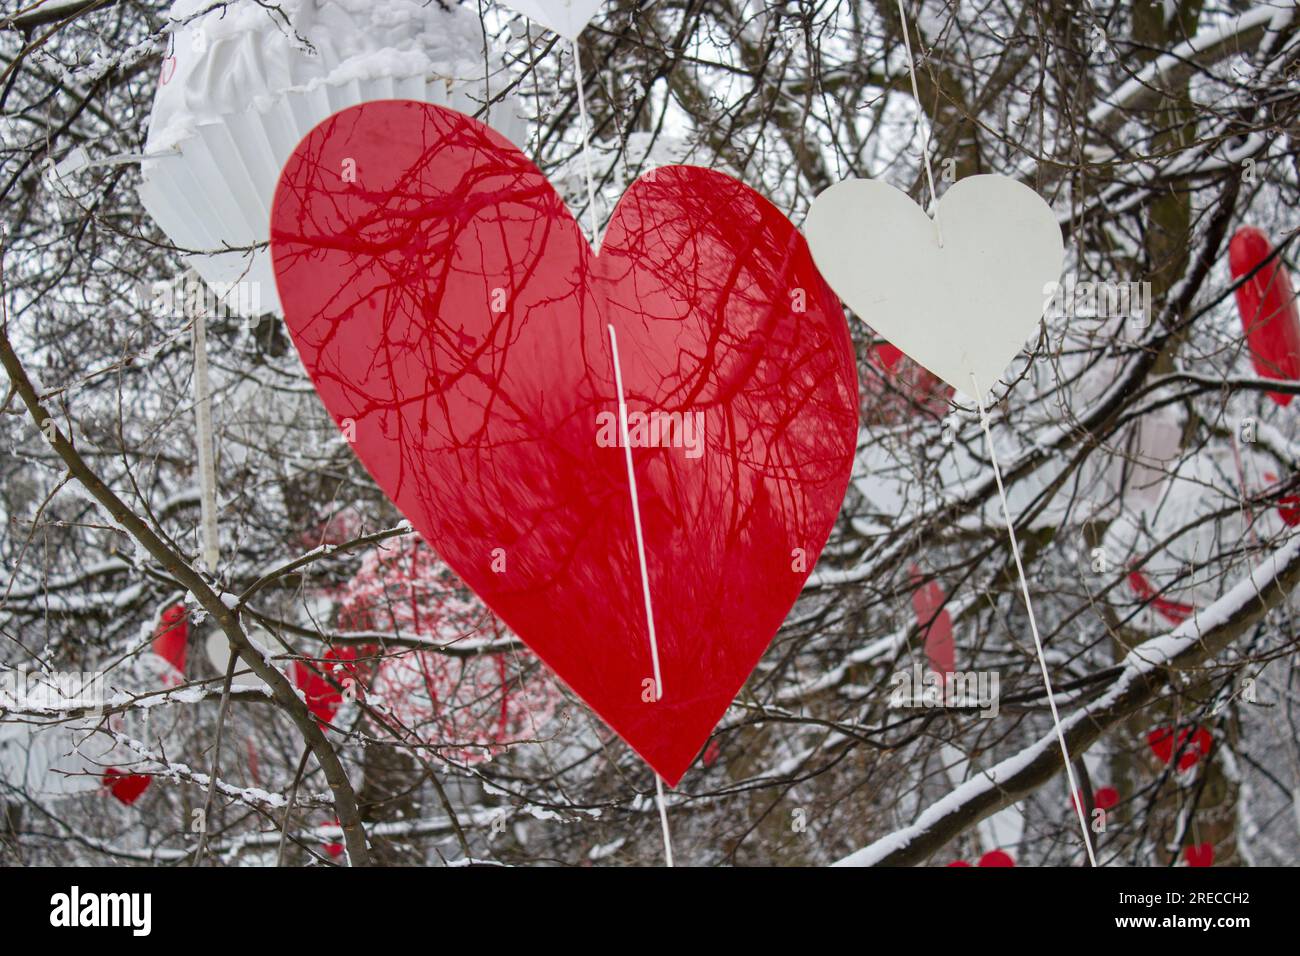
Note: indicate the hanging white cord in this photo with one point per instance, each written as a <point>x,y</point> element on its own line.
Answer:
<point>922,125</point>
<point>203,421</point>
<point>1075,796</point>
<point>636,516</point>
<point>627,449</point>
<point>645,576</point>
<point>586,154</point>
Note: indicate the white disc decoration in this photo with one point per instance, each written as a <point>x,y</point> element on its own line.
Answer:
<point>239,89</point>
<point>565,17</point>
<point>961,308</point>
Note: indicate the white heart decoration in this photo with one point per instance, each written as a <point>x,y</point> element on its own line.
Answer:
<point>565,17</point>
<point>217,647</point>
<point>962,309</point>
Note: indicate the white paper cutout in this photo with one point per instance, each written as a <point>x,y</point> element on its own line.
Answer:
<point>217,647</point>
<point>961,309</point>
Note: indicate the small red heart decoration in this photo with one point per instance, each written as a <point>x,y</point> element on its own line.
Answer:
<point>322,696</point>
<point>930,606</point>
<point>1288,506</point>
<point>171,641</point>
<point>333,849</point>
<point>125,787</point>
<point>1162,744</point>
<point>448,308</point>
<point>1174,612</point>
<point>958,863</point>
<point>711,753</point>
<point>1104,798</point>
<point>1202,855</point>
<point>996,858</point>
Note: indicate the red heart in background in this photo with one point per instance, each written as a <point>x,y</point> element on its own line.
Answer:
<point>1288,506</point>
<point>907,390</point>
<point>1162,744</point>
<point>1202,855</point>
<point>1172,611</point>
<point>1103,799</point>
<point>929,604</point>
<point>126,787</point>
<point>333,849</point>
<point>1267,305</point>
<point>322,695</point>
<point>991,858</point>
<point>711,753</point>
<point>447,303</point>
<point>171,642</point>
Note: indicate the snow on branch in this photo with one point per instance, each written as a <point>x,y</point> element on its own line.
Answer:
<point>1147,87</point>
<point>1144,671</point>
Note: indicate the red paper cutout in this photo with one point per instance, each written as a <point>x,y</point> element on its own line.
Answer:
<point>1266,303</point>
<point>928,602</point>
<point>996,858</point>
<point>907,390</point>
<point>1104,798</point>
<point>711,753</point>
<point>1202,855</point>
<point>1162,744</point>
<point>1288,506</point>
<point>1174,612</point>
<point>172,641</point>
<point>321,683</point>
<point>447,302</point>
<point>125,787</point>
<point>991,858</point>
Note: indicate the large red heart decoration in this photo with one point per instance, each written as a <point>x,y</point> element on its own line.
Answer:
<point>450,311</point>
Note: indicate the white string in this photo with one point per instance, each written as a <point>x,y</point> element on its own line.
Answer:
<point>627,446</point>
<point>645,575</point>
<point>1076,797</point>
<point>663,820</point>
<point>586,154</point>
<point>636,514</point>
<point>1246,511</point>
<point>921,123</point>
<point>203,422</point>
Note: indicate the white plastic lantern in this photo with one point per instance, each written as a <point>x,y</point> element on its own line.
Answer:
<point>239,89</point>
